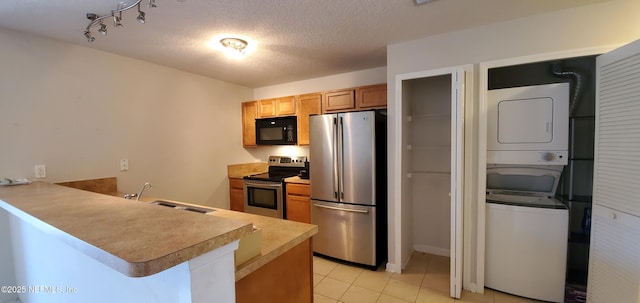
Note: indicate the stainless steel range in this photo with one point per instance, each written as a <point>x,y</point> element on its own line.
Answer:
<point>264,193</point>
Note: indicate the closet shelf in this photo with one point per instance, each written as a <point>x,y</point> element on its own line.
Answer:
<point>430,172</point>
<point>429,147</point>
<point>428,117</point>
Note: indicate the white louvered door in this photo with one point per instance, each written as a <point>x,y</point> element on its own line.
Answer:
<point>614,264</point>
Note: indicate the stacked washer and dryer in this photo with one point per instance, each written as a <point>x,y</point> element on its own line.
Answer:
<point>526,227</point>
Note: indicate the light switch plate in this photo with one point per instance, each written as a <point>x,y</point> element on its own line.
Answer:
<point>41,171</point>
<point>124,164</point>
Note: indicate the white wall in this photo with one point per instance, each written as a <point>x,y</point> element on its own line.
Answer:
<point>612,22</point>
<point>79,111</point>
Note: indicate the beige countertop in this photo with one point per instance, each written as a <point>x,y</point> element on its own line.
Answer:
<point>241,170</point>
<point>136,239</point>
<point>278,236</point>
<point>297,179</point>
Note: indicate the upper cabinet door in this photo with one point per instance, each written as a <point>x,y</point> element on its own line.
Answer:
<point>337,101</point>
<point>309,104</point>
<point>267,108</point>
<point>286,106</point>
<point>249,114</point>
<point>372,96</point>
<point>352,99</point>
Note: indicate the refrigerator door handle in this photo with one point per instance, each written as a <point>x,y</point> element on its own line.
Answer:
<point>335,160</point>
<point>341,155</point>
<point>360,211</point>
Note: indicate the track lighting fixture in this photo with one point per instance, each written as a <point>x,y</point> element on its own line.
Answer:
<point>116,14</point>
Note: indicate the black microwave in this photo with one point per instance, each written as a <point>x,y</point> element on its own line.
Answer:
<point>277,131</point>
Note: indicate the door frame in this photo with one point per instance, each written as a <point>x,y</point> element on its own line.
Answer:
<point>458,77</point>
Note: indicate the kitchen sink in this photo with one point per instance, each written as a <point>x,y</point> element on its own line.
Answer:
<point>175,205</point>
<point>249,246</point>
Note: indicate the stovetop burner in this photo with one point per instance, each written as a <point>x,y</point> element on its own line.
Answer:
<point>280,168</point>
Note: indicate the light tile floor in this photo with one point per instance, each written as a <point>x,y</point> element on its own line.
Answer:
<point>425,279</point>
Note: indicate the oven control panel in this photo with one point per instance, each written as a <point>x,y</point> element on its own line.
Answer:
<point>297,161</point>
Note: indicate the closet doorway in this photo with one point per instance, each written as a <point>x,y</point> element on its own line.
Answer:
<point>432,162</point>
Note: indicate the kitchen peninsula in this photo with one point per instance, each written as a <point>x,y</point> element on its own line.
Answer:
<point>89,247</point>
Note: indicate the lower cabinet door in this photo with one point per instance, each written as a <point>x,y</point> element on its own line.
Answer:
<point>298,208</point>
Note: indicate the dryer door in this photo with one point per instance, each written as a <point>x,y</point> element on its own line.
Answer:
<point>524,121</point>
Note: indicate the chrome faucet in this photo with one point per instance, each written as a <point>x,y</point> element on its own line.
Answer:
<point>137,196</point>
<point>142,190</point>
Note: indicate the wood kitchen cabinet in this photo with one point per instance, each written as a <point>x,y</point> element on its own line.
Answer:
<point>283,106</point>
<point>352,99</point>
<point>249,115</point>
<point>286,279</point>
<point>308,104</point>
<point>302,106</point>
<point>338,101</point>
<point>236,194</point>
<point>299,202</point>
<point>372,96</point>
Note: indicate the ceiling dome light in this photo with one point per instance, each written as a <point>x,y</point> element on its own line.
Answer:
<point>234,47</point>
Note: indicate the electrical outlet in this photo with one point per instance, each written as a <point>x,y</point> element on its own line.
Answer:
<point>41,171</point>
<point>124,164</point>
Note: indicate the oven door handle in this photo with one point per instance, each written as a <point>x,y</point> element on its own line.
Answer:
<point>262,184</point>
<point>360,211</point>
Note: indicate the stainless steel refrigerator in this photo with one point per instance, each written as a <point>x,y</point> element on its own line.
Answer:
<point>348,163</point>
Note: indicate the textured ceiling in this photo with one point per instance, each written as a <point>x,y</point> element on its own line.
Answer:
<point>292,39</point>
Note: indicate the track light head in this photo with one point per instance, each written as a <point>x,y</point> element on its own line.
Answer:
<point>141,17</point>
<point>103,29</point>
<point>89,37</point>
<point>152,4</point>
<point>116,21</point>
<point>92,16</point>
